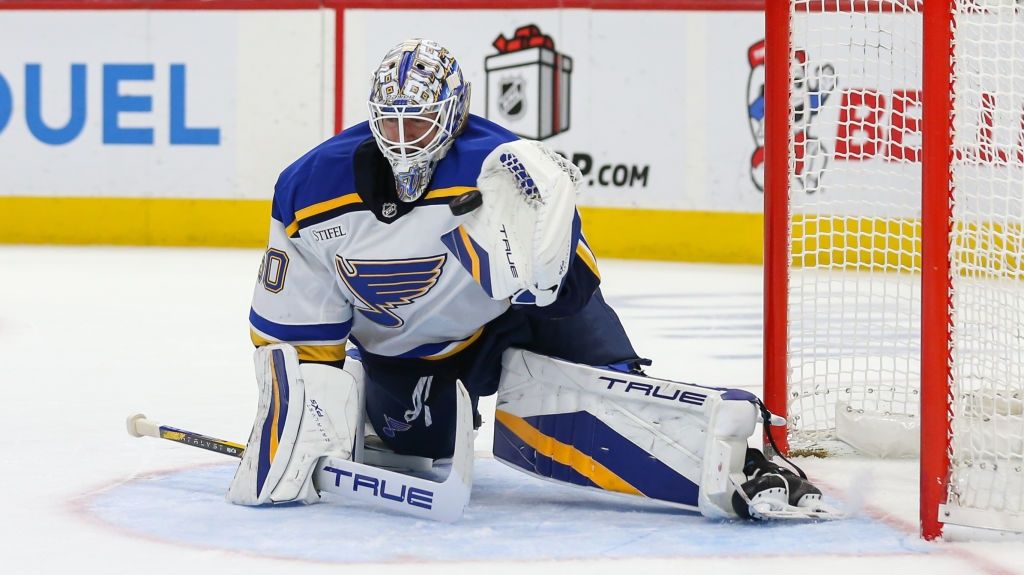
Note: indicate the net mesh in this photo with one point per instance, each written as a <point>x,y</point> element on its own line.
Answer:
<point>854,297</point>
<point>987,385</point>
<point>855,203</point>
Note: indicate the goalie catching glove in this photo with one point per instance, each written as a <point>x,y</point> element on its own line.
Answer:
<point>520,242</point>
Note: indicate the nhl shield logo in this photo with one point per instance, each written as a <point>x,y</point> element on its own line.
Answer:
<point>389,209</point>
<point>511,97</point>
<point>529,84</point>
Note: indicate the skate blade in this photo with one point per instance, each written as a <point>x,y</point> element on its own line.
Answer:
<point>774,510</point>
<point>773,504</point>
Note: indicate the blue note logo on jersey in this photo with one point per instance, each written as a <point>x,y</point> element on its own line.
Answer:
<point>383,285</point>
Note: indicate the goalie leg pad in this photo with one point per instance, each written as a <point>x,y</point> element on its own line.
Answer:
<point>305,412</point>
<point>677,443</point>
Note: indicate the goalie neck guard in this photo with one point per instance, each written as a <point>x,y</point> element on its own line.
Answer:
<point>418,104</point>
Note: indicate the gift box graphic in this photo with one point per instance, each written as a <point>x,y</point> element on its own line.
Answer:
<point>528,84</point>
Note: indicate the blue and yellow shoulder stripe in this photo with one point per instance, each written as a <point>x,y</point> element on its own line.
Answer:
<point>320,181</point>
<point>461,165</point>
<point>352,202</point>
<point>323,211</point>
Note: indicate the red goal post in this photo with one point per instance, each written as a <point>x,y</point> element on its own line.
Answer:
<point>894,228</point>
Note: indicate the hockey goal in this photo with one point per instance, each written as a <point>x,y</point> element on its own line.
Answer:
<point>894,251</point>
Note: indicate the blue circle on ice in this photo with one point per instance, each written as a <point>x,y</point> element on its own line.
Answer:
<point>511,516</point>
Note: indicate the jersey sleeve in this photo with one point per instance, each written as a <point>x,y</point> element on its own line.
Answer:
<point>297,300</point>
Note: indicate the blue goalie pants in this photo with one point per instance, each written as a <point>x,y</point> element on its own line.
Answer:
<point>411,402</point>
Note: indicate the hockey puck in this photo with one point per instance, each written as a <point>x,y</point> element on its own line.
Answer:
<point>466,203</point>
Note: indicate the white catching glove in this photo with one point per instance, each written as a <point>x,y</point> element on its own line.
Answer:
<point>520,242</point>
<point>305,412</point>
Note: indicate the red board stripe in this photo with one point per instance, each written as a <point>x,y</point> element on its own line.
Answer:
<point>339,68</point>
<point>160,4</point>
<point>637,5</point>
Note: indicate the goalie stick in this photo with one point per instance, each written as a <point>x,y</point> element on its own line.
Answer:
<point>407,494</point>
<point>141,426</point>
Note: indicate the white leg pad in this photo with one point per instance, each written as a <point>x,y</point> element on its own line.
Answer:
<point>731,423</point>
<point>677,443</point>
<point>305,412</point>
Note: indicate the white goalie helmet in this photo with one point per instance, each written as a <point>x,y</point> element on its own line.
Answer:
<point>418,104</point>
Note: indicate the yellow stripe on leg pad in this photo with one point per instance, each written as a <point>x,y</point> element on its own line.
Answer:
<point>277,411</point>
<point>565,454</point>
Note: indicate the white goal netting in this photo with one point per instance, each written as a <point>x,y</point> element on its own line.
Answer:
<point>855,203</point>
<point>855,227</point>
<point>987,381</point>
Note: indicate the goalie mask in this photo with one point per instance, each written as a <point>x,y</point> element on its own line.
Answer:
<point>418,105</point>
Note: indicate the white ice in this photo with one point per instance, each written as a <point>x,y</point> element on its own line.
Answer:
<point>90,335</point>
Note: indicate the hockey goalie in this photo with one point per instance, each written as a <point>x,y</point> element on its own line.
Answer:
<point>448,255</point>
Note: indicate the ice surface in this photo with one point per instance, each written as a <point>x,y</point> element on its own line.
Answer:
<point>510,517</point>
<point>90,335</point>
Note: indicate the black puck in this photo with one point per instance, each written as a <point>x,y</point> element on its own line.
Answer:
<point>466,203</point>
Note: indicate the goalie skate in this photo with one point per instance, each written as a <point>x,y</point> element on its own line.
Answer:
<point>376,453</point>
<point>774,492</point>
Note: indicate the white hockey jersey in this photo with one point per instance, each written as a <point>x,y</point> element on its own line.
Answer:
<point>348,261</point>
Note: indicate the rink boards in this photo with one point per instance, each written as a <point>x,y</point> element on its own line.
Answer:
<point>167,123</point>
